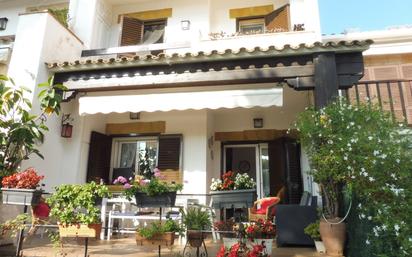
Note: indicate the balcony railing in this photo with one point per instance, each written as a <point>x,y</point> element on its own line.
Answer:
<point>394,96</point>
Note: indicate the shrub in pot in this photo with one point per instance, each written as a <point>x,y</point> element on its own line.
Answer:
<point>196,219</point>
<point>22,188</point>
<point>158,233</point>
<point>312,230</point>
<point>74,207</point>
<point>361,148</point>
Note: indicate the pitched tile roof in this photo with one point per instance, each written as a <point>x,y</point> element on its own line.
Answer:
<point>215,55</point>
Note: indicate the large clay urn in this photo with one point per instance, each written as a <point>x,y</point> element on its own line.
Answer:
<point>333,236</point>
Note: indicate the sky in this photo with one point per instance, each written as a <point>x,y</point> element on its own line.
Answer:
<point>364,15</point>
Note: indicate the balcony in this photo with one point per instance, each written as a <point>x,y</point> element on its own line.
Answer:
<point>394,96</point>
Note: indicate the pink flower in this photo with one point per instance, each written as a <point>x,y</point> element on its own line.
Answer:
<point>157,174</point>
<point>127,186</point>
<point>144,182</point>
<point>156,170</point>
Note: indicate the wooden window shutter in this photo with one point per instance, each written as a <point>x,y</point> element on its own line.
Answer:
<point>170,147</point>
<point>294,182</point>
<point>278,19</point>
<point>132,31</point>
<point>98,166</point>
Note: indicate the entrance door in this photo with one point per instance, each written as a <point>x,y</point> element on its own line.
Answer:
<point>252,159</point>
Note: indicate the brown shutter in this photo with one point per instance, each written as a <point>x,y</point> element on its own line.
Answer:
<point>294,182</point>
<point>132,32</point>
<point>169,152</point>
<point>98,166</point>
<point>278,19</point>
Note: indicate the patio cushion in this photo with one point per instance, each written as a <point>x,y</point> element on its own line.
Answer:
<point>265,203</point>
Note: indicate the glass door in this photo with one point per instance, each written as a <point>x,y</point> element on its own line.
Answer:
<point>264,170</point>
<point>243,159</point>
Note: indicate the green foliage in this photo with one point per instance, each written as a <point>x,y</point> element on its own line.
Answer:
<point>20,130</point>
<point>362,148</point>
<point>158,228</point>
<point>196,218</point>
<point>76,204</point>
<point>312,230</point>
<point>61,15</point>
<point>14,225</point>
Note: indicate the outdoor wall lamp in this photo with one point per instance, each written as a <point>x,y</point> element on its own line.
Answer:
<point>3,23</point>
<point>185,24</point>
<point>258,123</point>
<point>67,128</point>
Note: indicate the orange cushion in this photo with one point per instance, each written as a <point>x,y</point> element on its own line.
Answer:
<point>265,203</point>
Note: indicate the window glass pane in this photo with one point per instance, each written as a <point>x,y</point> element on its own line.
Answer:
<point>127,155</point>
<point>147,157</point>
<point>153,32</point>
<point>251,26</point>
<point>264,155</point>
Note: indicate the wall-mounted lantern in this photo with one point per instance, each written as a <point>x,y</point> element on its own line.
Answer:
<point>67,128</point>
<point>185,24</point>
<point>3,23</point>
<point>258,123</point>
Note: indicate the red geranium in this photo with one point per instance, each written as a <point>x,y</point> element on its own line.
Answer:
<point>241,250</point>
<point>260,229</point>
<point>27,179</point>
<point>228,180</point>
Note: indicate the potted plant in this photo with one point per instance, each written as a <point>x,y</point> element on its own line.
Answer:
<point>151,192</point>
<point>261,233</point>
<point>196,219</point>
<point>312,230</point>
<point>74,207</point>
<point>228,230</point>
<point>158,233</point>
<point>22,188</point>
<point>233,190</point>
<point>240,249</point>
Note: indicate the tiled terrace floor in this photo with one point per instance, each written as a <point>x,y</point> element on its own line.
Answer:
<point>127,247</point>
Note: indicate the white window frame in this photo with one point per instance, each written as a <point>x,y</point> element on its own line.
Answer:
<point>116,148</point>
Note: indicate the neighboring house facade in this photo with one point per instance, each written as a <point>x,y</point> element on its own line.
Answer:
<point>214,86</point>
<point>388,61</point>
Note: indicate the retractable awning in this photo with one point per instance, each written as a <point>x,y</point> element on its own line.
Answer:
<point>246,98</point>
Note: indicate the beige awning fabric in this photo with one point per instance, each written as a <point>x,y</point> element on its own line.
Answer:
<point>246,98</point>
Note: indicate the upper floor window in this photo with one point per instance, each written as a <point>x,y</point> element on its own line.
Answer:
<point>275,21</point>
<point>135,32</point>
<point>251,26</point>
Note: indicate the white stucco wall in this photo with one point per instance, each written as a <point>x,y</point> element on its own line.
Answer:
<point>96,22</point>
<point>41,39</point>
<point>12,9</point>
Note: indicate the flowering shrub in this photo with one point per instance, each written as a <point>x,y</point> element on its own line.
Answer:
<point>241,250</point>
<point>27,179</point>
<point>260,229</point>
<point>363,148</point>
<point>152,187</point>
<point>232,181</point>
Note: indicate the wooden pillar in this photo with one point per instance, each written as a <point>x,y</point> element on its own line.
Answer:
<point>326,79</point>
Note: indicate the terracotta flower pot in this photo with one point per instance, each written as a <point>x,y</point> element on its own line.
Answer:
<point>333,236</point>
<point>195,238</point>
